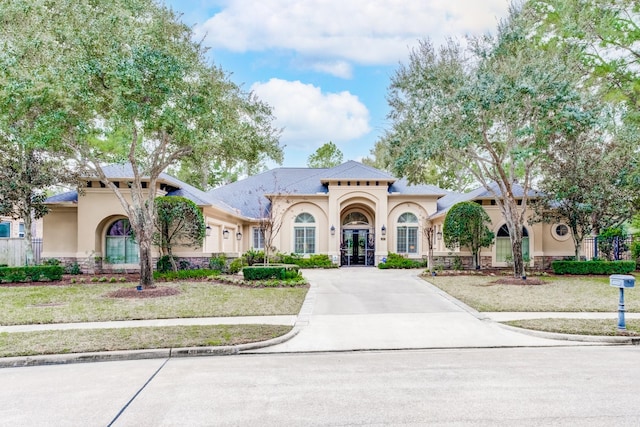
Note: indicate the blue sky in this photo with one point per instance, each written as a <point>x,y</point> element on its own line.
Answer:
<point>325,65</point>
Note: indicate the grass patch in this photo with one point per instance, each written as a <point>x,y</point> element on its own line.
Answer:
<point>607,327</point>
<point>89,302</point>
<point>90,340</point>
<point>556,294</point>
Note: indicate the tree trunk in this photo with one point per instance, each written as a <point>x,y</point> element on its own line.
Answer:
<point>28,238</point>
<point>146,265</point>
<point>142,224</point>
<point>172,260</point>
<point>514,225</point>
<point>518,262</point>
<point>577,250</point>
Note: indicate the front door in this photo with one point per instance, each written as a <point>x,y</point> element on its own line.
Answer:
<point>357,247</point>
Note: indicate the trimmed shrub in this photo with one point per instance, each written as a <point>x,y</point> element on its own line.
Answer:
<point>218,263</point>
<point>73,269</point>
<point>313,261</point>
<point>398,261</point>
<point>236,265</point>
<point>254,257</point>
<point>184,274</point>
<point>274,271</point>
<point>31,273</point>
<point>164,264</point>
<point>593,267</point>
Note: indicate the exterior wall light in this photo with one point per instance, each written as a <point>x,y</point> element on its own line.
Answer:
<point>225,234</point>
<point>439,235</point>
<point>333,230</point>
<point>383,230</point>
<point>238,236</point>
<point>207,231</point>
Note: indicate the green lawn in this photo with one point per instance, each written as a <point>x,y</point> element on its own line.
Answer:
<point>91,340</point>
<point>605,327</point>
<point>557,293</point>
<point>90,303</point>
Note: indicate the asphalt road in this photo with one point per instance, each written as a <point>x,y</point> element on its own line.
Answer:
<point>560,386</point>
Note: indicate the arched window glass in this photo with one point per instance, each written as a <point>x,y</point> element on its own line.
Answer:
<point>503,245</point>
<point>120,247</point>
<point>407,234</point>
<point>355,218</point>
<point>305,218</point>
<point>304,236</point>
<point>408,217</point>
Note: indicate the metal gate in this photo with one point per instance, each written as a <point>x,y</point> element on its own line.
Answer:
<point>357,247</point>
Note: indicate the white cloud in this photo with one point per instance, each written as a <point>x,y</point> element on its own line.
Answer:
<point>310,117</point>
<point>366,32</point>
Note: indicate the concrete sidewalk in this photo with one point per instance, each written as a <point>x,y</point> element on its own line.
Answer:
<point>241,320</point>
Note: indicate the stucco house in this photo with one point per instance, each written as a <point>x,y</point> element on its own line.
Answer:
<point>354,213</point>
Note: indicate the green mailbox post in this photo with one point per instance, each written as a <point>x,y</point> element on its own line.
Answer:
<point>622,281</point>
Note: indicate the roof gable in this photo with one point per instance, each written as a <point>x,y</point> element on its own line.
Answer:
<point>356,170</point>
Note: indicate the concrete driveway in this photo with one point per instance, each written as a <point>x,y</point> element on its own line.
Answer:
<point>370,309</point>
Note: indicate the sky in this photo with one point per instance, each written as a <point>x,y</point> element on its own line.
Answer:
<point>325,65</point>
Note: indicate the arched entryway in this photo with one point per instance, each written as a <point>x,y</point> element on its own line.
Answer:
<point>357,242</point>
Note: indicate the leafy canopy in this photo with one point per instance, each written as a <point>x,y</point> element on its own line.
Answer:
<point>466,225</point>
<point>327,156</point>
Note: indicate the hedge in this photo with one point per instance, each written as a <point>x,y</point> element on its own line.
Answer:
<point>593,267</point>
<point>398,261</point>
<point>275,271</point>
<point>313,261</point>
<point>185,274</point>
<point>33,273</point>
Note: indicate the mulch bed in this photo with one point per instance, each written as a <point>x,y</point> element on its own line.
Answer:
<point>155,292</point>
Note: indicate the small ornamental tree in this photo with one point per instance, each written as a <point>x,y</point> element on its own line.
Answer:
<point>179,221</point>
<point>466,226</point>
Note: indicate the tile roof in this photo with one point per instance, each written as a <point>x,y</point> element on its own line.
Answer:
<point>479,193</point>
<point>356,170</point>
<point>68,197</point>
<point>247,196</point>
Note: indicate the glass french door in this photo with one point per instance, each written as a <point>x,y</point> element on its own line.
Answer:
<point>357,247</point>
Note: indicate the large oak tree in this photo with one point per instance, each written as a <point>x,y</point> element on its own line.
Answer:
<point>134,88</point>
<point>491,109</point>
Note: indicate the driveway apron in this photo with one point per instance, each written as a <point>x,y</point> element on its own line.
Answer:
<point>361,308</point>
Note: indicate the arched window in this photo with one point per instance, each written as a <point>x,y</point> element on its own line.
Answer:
<point>407,234</point>
<point>121,248</point>
<point>304,234</point>
<point>355,218</point>
<point>503,245</point>
<point>408,217</point>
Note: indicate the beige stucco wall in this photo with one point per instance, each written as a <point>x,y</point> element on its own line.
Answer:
<point>60,232</point>
<point>542,240</point>
<point>79,230</point>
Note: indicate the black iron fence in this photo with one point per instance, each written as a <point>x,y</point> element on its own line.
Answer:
<point>612,249</point>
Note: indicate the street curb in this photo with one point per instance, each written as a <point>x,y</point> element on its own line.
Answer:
<point>161,353</point>
<point>572,337</point>
<point>165,353</point>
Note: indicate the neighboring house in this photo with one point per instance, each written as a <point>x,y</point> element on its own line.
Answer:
<point>11,228</point>
<point>12,245</point>
<point>354,213</point>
